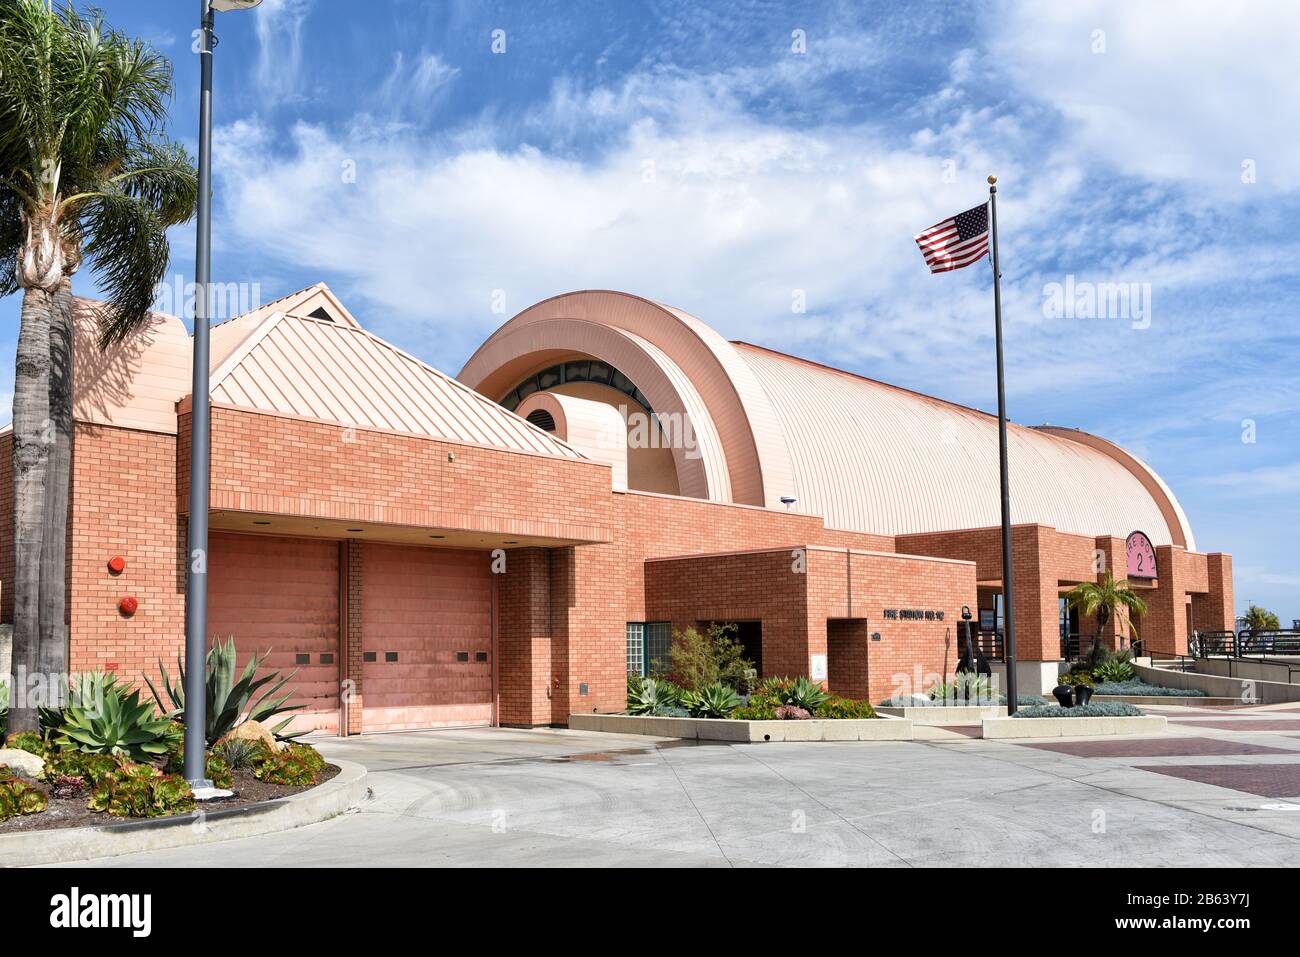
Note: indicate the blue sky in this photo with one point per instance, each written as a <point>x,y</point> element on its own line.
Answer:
<point>689,153</point>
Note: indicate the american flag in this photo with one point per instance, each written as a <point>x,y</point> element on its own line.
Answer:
<point>956,242</point>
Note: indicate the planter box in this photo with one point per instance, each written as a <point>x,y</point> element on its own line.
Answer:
<point>941,715</point>
<point>1071,727</point>
<point>721,729</point>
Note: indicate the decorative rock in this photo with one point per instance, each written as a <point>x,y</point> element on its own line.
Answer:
<point>22,763</point>
<point>253,731</point>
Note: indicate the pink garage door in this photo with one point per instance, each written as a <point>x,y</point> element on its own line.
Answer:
<point>426,626</point>
<point>281,595</point>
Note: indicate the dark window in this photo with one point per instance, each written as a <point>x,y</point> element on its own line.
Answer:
<point>321,313</point>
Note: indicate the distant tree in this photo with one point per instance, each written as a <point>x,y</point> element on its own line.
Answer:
<point>1259,619</point>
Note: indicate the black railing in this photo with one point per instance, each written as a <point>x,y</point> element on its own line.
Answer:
<point>1280,642</point>
<point>1245,643</point>
<point>988,644</point>
<point>1074,647</point>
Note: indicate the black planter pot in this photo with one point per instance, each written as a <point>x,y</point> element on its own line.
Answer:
<point>1064,696</point>
<point>1082,694</point>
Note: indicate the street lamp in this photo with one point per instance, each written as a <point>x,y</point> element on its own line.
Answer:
<point>196,580</point>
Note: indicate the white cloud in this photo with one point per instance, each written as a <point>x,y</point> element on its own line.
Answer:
<point>1182,92</point>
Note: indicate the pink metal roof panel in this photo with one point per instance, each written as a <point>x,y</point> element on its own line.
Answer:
<point>875,458</point>
<point>325,370</point>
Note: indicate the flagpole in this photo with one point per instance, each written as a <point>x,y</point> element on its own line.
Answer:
<point>1008,589</point>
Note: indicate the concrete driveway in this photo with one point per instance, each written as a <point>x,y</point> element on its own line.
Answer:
<point>558,798</point>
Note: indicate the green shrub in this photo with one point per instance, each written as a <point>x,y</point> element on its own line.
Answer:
<point>28,741</point>
<point>18,797</point>
<point>1073,678</point>
<point>844,708</point>
<point>112,721</point>
<point>763,711</point>
<point>1107,709</point>
<point>90,768</point>
<point>652,696</point>
<point>295,765</point>
<point>232,698</point>
<point>1139,687</point>
<point>1116,668</point>
<point>715,701</point>
<point>141,790</point>
<point>700,660</point>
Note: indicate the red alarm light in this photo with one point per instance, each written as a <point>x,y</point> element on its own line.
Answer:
<point>117,564</point>
<point>128,605</point>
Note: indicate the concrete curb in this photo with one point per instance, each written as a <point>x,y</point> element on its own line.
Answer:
<point>994,728</point>
<point>58,845</point>
<point>945,714</point>
<point>884,728</point>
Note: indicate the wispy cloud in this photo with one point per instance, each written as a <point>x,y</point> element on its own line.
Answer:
<point>279,48</point>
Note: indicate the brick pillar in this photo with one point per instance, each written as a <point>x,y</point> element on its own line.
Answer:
<point>1115,557</point>
<point>352,555</point>
<point>1037,594</point>
<point>1216,612</point>
<point>1164,626</point>
<point>524,638</point>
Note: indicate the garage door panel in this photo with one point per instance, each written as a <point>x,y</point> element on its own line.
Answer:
<point>426,605</point>
<point>279,598</point>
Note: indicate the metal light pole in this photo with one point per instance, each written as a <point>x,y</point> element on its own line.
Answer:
<point>196,581</point>
<point>1008,588</point>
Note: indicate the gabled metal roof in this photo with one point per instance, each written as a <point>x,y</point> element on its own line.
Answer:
<point>339,372</point>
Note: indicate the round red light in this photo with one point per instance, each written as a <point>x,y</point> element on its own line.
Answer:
<point>128,605</point>
<point>117,564</point>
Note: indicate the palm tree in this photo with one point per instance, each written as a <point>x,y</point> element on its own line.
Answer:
<point>85,173</point>
<point>1259,619</point>
<point>1105,598</point>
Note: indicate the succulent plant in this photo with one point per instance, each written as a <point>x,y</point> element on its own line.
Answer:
<point>713,701</point>
<point>652,696</point>
<point>18,797</point>
<point>112,721</point>
<point>231,700</point>
<point>139,790</point>
<point>802,693</point>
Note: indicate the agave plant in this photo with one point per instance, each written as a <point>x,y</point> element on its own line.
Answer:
<point>652,696</point>
<point>713,701</point>
<point>113,721</point>
<point>802,693</point>
<point>230,699</point>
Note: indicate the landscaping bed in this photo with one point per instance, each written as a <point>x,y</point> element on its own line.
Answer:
<point>102,754</point>
<point>1136,687</point>
<point>73,812</point>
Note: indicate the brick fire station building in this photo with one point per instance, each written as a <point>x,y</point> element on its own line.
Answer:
<point>502,547</point>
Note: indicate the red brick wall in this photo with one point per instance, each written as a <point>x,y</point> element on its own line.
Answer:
<point>362,475</point>
<point>124,503</point>
<point>826,610</point>
<point>524,635</point>
<point>351,575</point>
